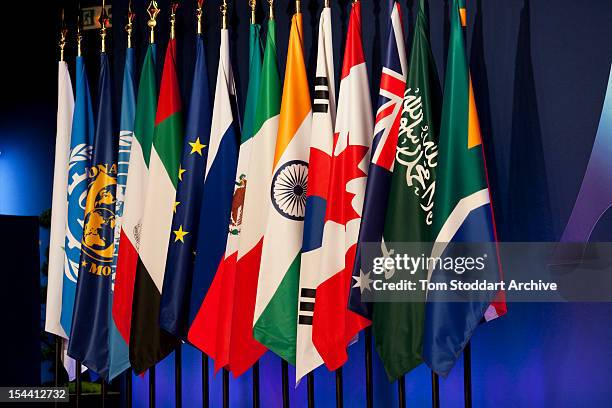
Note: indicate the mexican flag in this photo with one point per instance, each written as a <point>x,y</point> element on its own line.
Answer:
<point>245,351</point>
<point>277,289</point>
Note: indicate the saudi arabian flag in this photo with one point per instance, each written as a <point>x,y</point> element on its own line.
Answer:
<point>275,323</point>
<point>398,327</point>
<point>245,351</point>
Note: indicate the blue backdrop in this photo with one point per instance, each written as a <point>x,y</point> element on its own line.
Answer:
<point>539,70</point>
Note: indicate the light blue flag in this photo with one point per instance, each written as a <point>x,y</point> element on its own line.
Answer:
<point>118,348</point>
<point>80,156</point>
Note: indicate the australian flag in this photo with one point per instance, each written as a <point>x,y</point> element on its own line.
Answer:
<point>386,128</point>
<point>90,321</point>
<point>175,300</point>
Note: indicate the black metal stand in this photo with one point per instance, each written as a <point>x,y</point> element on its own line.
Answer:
<point>256,385</point>
<point>467,375</point>
<point>368,368</point>
<point>205,383</point>
<point>78,382</point>
<point>339,391</point>
<point>178,384</point>
<point>152,387</point>
<point>285,381</point>
<point>128,387</point>
<point>311,389</point>
<point>435,390</point>
<point>401,391</point>
<point>226,394</point>
<point>103,393</point>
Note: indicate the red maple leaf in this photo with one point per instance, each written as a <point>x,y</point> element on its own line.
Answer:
<point>344,168</point>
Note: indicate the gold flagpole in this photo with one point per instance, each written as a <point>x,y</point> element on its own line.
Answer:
<point>173,6</point>
<point>326,4</point>
<point>129,27</point>
<point>79,30</point>
<point>103,21</point>
<point>253,5</point>
<point>199,15</point>
<point>63,35</point>
<point>153,11</point>
<point>271,9</point>
<point>298,8</point>
<point>224,15</point>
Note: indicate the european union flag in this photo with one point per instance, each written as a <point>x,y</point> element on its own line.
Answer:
<point>90,329</point>
<point>175,301</point>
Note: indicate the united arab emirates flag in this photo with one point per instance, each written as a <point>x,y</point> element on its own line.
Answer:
<point>275,322</point>
<point>133,206</point>
<point>398,327</point>
<point>244,349</point>
<point>148,343</point>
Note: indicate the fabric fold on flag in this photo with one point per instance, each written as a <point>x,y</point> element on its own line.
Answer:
<point>59,211</point>
<point>133,205</point>
<point>321,144</point>
<point>119,348</point>
<point>218,315</point>
<point>274,320</point>
<point>462,211</point>
<point>216,205</point>
<point>244,349</point>
<point>149,344</point>
<point>176,297</point>
<point>90,321</point>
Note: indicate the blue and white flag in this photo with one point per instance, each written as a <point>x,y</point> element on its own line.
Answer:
<point>92,309</point>
<point>80,155</point>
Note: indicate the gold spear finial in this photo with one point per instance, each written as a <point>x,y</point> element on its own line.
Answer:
<point>173,6</point>
<point>326,4</point>
<point>253,5</point>
<point>153,11</point>
<point>224,15</point>
<point>271,9</point>
<point>79,30</point>
<point>199,15</point>
<point>103,22</point>
<point>298,8</point>
<point>63,35</point>
<point>129,27</point>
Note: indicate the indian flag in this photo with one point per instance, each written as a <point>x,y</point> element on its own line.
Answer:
<point>277,290</point>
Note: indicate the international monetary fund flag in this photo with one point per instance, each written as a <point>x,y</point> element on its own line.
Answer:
<point>119,351</point>
<point>244,350</point>
<point>277,288</point>
<point>321,142</point>
<point>334,326</point>
<point>215,315</point>
<point>388,116</point>
<point>148,343</point>
<point>131,220</point>
<point>175,300</point>
<point>90,322</point>
<point>216,200</point>
<point>80,154</point>
<point>398,326</point>
<point>59,209</point>
<point>462,210</point>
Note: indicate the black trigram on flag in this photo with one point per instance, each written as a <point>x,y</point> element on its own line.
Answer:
<point>307,297</point>
<point>321,95</point>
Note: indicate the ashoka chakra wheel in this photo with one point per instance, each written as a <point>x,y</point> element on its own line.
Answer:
<point>288,191</point>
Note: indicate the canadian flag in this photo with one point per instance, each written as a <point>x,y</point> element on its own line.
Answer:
<point>334,325</point>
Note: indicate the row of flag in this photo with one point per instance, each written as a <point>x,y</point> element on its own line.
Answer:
<point>242,236</point>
